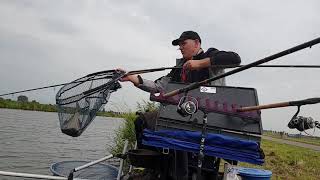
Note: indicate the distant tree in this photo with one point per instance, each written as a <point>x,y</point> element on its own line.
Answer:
<point>1,99</point>
<point>22,98</point>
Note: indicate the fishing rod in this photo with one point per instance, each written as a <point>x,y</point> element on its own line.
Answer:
<point>272,66</point>
<point>235,66</point>
<point>281,104</point>
<point>300,123</point>
<point>162,69</point>
<point>254,64</point>
<point>93,79</point>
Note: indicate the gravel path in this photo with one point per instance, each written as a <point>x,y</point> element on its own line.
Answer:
<point>309,146</point>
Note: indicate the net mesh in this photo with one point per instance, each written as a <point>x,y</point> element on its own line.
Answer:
<point>79,101</point>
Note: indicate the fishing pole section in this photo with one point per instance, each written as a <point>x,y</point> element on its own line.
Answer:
<point>300,123</point>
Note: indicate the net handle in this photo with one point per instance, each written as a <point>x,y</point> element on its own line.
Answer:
<point>99,88</point>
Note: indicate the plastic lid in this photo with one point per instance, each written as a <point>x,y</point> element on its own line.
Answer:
<point>254,172</point>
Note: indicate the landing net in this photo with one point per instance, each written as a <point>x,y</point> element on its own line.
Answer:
<point>79,101</point>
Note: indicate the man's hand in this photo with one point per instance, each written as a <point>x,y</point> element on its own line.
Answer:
<point>125,78</point>
<point>197,64</point>
<point>191,65</point>
<point>132,78</point>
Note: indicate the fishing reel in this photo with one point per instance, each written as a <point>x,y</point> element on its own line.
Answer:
<point>187,106</point>
<point>302,123</point>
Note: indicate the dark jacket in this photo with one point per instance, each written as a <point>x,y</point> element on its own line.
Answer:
<point>216,57</point>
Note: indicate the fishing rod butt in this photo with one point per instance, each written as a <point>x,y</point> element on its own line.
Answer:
<point>267,106</point>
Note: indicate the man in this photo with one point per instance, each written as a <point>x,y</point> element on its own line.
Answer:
<point>197,65</point>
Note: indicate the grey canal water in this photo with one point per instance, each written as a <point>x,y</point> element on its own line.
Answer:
<point>31,141</point>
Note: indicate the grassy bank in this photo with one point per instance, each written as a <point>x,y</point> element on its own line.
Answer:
<point>289,162</point>
<point>126,131</point>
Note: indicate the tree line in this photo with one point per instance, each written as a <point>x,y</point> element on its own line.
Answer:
<point>25,105</point>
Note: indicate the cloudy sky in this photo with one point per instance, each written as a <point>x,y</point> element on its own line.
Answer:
<point>51,42</point>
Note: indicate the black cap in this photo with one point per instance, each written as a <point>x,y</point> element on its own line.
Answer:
<point>186,35</point>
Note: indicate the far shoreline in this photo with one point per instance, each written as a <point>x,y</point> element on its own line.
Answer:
<point>36,106</point>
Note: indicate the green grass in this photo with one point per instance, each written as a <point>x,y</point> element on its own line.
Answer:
<point>289,162</point>
<point>126,131</point>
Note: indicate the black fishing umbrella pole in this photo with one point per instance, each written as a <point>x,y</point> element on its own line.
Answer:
<point>254,64</point>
